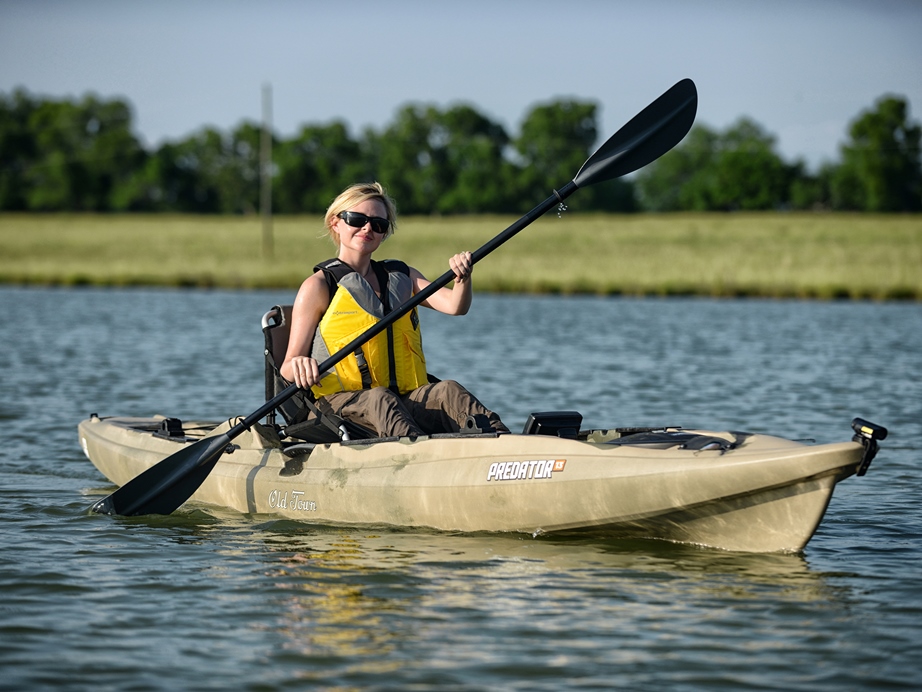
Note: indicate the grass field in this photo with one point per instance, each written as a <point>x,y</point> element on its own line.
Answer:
<point>771,254</point>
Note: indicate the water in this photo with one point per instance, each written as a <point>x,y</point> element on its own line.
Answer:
<point>208,599</point>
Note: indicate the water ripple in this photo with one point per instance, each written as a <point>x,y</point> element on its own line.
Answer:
<point>210,599</point>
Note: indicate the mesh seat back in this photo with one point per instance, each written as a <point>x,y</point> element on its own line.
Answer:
<point>276,324</point>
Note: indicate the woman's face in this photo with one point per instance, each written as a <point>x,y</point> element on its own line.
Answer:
<point>364,239</point>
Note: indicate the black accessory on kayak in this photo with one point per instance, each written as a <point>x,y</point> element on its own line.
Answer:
<point>675,438</point>
<point>170,428</point>
<point>379,224</point>
<point>867,434</point>
<point>554,423</point>
<point>477,424</point>
<point>647,136</point>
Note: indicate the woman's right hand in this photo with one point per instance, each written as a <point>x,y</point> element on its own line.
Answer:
<point>304,371</point>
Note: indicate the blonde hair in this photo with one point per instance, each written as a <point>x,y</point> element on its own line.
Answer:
<point>356,194</point>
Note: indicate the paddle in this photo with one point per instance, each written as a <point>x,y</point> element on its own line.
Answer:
<point>650,134</point>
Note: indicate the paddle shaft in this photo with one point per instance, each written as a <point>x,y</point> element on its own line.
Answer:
<point>417,299</point>
<point>650,134</point>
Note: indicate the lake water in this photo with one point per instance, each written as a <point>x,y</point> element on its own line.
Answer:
<point>208,599</point>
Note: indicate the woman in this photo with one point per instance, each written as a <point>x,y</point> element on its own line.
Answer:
<point>384,384</point>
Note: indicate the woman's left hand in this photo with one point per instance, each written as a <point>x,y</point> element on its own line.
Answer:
<point>462,265</point>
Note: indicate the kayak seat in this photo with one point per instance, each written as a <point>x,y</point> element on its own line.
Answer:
<point>303,419</point>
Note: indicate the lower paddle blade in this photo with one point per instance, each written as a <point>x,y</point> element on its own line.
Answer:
<point>168,484</point>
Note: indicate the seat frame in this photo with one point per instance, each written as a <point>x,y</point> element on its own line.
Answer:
<point>303,418</point>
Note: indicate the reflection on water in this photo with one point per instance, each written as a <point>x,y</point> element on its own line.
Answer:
<point>331,609</point>
<point>349,594</point>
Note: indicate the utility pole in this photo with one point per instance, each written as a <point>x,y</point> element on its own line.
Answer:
<point>265,173</point>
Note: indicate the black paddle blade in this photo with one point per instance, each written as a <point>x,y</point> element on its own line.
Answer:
<point>646,137</point>
<point>167,484</point>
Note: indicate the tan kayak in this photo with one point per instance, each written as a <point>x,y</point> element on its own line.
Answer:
<point>736,491</point>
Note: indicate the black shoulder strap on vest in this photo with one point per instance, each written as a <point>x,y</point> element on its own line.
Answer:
<point>337,269</point>
<point>333,270</point>
<point>381,271</point>
<point>393,265</point>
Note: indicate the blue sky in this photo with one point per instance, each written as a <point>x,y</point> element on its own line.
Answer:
<point>802,69</point>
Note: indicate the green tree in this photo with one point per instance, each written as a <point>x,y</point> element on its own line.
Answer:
<point>168,181</point>
<point>237,172</point>
<point>17,149</point>
<point>314,167</point>
<point>680,179</point>
<point>83,151</point>
<point>471,148</point>
<point>407,157</point>
<point>813,192</point>
<point>748,174</point>
<point>208,172</point>
<point>554,141</point>
<point>435,161</point>
<point>710,171</point>
<point>880,169</point>
<point>189,170</point>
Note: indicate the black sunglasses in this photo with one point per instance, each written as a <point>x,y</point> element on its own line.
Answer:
<point>357,220</point>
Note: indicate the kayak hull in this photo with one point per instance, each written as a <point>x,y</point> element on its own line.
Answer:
<point>761,494</point>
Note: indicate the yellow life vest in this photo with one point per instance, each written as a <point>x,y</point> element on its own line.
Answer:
<point>354,307</point>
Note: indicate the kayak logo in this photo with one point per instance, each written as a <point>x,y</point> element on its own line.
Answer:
<point>281,500</point>
<point>525,470</point>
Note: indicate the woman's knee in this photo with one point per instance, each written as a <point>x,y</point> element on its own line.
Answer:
<point>447,389</point>
<point>379,398</point>
<point>379,394</point>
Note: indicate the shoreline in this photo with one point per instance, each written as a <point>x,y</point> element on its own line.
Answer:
<point>896,296</point>
<point>773,255</point>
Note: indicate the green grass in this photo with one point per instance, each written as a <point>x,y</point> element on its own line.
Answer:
<point>771,254</point>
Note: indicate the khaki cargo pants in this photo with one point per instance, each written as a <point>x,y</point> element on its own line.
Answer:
<point>432,408</point>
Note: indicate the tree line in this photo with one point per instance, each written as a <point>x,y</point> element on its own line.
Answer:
<point>82,155</point>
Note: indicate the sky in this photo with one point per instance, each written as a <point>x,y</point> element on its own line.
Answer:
<point>802,69</point>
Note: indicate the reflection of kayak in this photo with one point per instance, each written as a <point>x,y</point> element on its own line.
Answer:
<point>731,490</point>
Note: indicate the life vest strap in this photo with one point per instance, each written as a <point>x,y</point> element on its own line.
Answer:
<point>381,273</point>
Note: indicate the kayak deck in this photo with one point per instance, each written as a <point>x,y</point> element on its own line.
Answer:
<point>736,491</point>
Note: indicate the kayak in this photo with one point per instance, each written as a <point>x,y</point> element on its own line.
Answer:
<point>731,490</point>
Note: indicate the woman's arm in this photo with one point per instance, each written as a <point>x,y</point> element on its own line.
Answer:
<point>455,300</point>
<point>311,302</point>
